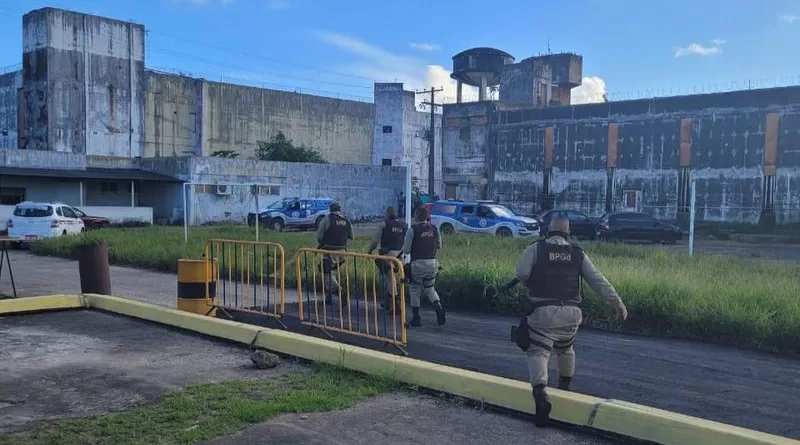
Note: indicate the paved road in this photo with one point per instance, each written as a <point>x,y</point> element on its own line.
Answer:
<point>750,389</point>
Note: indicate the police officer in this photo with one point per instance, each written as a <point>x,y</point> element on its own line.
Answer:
<point>552,269</point>
<point>389,236</point>
<point>422,242</point>
<point>333,233</point>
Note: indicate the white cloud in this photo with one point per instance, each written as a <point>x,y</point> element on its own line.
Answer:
<point>591,90</point>
<point>384,66</point>
<point>278,5</point>
<point>696,49</point>
<point>438,76</point>
<point>788,18</point>
<point>425,47</point>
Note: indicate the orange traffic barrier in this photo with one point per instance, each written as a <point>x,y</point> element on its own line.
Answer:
<point>353,293</point>
<point>250,276</point>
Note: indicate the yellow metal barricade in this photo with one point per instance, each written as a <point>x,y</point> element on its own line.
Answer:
<point>250,276</point>
<point>352,293</point>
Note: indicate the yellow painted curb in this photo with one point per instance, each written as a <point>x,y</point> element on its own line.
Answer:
<point>627,419</point>
<point>38,304</point>
<point>659,426</point>
<point>507,393</point>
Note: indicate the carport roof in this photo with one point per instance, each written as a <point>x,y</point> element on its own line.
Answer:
<point>89,173</point>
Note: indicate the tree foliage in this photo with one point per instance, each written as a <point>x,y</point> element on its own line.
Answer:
<point>280,148</point>
<point>228,154</point>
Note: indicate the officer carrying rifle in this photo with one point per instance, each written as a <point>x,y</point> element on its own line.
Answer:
<point>333,233</point>
<point>551,270</point>
<point>389,236</point>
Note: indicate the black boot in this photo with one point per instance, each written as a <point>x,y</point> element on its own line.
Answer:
<point>543,406</point>
<point>564,383</point>
<point>440,315</point>
<point>415,320</point>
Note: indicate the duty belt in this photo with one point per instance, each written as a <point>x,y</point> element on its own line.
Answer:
<point>554,302</point>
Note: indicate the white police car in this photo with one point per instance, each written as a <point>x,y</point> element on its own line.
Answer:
<point>39,220</point>
<point>451,216</point>
<point>294,213</point>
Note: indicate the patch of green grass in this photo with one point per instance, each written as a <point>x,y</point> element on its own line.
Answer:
<point>725,231</point>
<point>211,410</point>
<point>722,299</point>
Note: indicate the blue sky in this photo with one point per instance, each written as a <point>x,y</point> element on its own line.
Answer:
<point>633,48</point>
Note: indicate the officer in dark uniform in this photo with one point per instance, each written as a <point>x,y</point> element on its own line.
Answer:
<point>422,242</point>
<point>333,233</point>
<point>552,269</point>
<point>389,236</point>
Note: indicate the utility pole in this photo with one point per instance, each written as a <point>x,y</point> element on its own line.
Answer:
<point>432,138</point>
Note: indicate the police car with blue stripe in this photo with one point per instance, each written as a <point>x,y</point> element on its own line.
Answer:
<point>451,216</point>
<point>293,213</point>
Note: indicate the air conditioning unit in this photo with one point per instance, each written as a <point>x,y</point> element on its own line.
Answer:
<point>223,189</point>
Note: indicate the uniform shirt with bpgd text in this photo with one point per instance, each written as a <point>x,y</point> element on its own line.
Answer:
<point>326,224</point>
<point>594,278</point>
<point>408,244</point>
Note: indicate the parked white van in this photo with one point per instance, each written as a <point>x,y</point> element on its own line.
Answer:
<point>37,220</point>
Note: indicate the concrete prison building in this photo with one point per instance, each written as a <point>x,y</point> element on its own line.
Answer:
<point>84,121</point>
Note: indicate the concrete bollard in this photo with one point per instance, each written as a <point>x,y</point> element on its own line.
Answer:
<point>193,275</point>
<point>93,269</point>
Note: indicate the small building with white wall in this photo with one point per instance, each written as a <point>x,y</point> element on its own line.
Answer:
<point>402,135</point>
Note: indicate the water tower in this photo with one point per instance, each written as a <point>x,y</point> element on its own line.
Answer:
<point>479,67</point>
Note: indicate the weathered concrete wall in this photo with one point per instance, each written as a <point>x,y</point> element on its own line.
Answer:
<point>364,191</point>
<point>173,115</point>
<point>236,117</point>
<point>723,149</point>
<point>406,143</point>
<point>10,84</point>
<point>416,127</point>
<point>525,83</point>
<point>45,189</point>
<point>387,138</point>
<point>41,159</point>
<point>465,139</point>
<point>83,80</point>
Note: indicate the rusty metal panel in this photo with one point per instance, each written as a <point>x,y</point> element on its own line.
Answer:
<point>548,147</point>
<point>452,122</point>
<point>771,143</point>
<point>611,160</point>
<point>480,120</point>
<point>686,143</point>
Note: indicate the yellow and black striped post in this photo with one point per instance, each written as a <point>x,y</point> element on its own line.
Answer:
<point>192,278</point>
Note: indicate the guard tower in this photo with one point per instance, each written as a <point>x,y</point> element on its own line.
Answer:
<point>479,67</point>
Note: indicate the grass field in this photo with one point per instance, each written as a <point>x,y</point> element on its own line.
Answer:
<point>721,299</point>
<point>212,410</point>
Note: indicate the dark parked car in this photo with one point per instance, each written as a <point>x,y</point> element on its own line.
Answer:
<point>91,222</point>
<point>580,225</point>
<point>636,226</point>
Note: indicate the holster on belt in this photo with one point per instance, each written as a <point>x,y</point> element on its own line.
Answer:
<point>519,334</point>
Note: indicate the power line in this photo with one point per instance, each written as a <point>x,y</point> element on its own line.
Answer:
<point>243,68</point>
<point>432,138</point>
<point>268,59</point>
<point>240,67</point>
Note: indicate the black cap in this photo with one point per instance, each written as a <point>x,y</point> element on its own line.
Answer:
<point>335,207</point>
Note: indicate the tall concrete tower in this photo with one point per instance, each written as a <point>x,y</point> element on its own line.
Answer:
<point>83,84</point>
<point>401,134</point>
